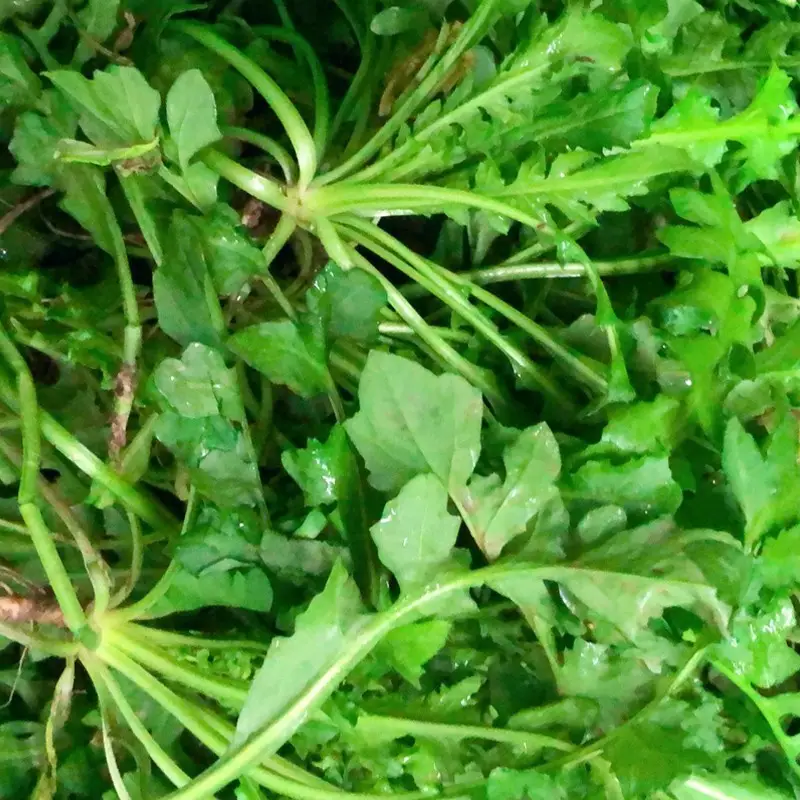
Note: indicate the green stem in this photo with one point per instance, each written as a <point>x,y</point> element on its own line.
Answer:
<point>403,331</point>
<point>216,734</point>
<point>289,116</point>
<point>286,226</point>
<point>418,269</point>
<point>263,189</point>
<point>160,636</point>
<point>450,357</point>
<point>438,730</point>
<point>470,34</point>
<point>594,749</point>
<point>132,188</point>
<point>678,70</point>
<point>42,539</point>
<point>501,89</point>
<point>88,463</point>
<point>137,559</point>
<point>645,264</point>
<point>140,608</point>
<point>269,145</point>
<point>575,230</point>
<point>354,90</point>
<point>375,198</point>
<point>771,717</point>
<point>583,372</point>
<point>32,642</point>
<point>103,679</point>
<point>322,100</point>
<point>57,576</point>
<point>225,691</point>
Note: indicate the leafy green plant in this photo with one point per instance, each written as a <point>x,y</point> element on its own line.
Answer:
<point>318,481</point>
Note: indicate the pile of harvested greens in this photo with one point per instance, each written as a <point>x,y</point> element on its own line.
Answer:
<point>399,399</point>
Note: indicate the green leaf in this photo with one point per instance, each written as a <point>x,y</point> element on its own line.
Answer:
<point>231,256</point>
<point>409,648</point>
<point>416,534</point>
<point>85,199</point>
<point>499,511</point>
<point>643,486</point>
<point>297,560</point>
<point>117,107</point>
<point>640,428</point>
<point>629,602</point>
<point>250,590</point>
<point>778,229</point>
<point>741,786</point>
<point>412,421</point>
<point>19,85</point>
<point>757,648</point>
<point>599,119</point>
<point>763,485</point>
<point>202,426</point>
<point>293,663</point>
<point>394,20</point>
<point>73,151</point>
<point>219,541</point>
<point>350,302</point>
<point>287,353</point>
<point>509,784</point>
<point>199,384</point>
<point>779,565</point>
<point>97,20</point>
<point>192,115</point>
<point>187,309</point>
<point>314,469</point>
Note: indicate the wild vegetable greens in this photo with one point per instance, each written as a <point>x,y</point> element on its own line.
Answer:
<point>399,399</point>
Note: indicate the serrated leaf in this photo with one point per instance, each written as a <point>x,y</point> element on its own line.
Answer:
<point>191,115</point>
<point>641,486</point>
<point>764,485</point>
<point>412,421</point>
<point>250,590</point>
